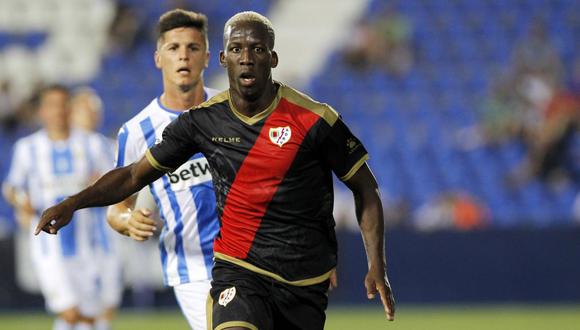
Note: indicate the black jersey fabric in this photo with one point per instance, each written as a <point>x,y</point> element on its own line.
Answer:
<point>273,179</point>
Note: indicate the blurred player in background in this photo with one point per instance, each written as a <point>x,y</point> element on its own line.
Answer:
<point>185,198</point>
<point>272,152</point>
<point>48,166</point>
<point>87,111</point>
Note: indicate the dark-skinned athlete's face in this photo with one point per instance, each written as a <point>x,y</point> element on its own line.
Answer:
<point>248,58</point>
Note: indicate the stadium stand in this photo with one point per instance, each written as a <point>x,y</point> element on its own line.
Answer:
<point>411,122</point>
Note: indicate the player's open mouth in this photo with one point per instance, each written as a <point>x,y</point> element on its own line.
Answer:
<point>247,79</point>
<point>183,71</point>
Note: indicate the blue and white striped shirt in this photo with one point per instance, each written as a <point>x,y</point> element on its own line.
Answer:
<point>185,198</point>
<point>49,171</point>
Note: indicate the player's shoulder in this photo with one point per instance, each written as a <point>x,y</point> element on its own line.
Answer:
<point>26,140</point>
<point>210,92</point>
<point>304,101</point>
<point>218,98</point>
<point>149,111</point>
<point>94,136</point>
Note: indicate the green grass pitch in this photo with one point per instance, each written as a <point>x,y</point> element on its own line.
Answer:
<point>496,317</point>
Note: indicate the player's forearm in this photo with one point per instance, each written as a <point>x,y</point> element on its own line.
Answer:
<point>18,199</point>
<point>369,212</point>
<point>111,188</point>
<point>10,195</point>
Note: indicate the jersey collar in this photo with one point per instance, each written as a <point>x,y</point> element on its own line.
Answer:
<point>261,115</point>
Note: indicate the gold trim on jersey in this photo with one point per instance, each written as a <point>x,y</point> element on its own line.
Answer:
<point>155,163</point>
<point>304,101</point>
<point>231,324</point>
<point>355,168</point>
<point>209,311</point>
<point>250,267</point>
<point>261,115</point>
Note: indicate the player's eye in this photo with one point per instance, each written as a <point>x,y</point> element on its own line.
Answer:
<point>259,49</point>
<point>235,49</point>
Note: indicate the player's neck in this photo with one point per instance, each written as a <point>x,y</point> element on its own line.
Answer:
<point>250,108</point>
<point>57,134</point>
<point>177,100</point>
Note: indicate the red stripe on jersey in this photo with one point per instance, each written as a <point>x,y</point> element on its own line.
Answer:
<point>259,176</point>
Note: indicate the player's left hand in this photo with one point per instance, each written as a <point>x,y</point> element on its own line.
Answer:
<point>54,218</point>
<point>333,280</point>
<point>377,281</point>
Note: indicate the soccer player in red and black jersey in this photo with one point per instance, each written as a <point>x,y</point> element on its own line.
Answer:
<point>272,151</point>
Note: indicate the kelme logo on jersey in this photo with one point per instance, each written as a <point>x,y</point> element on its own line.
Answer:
<point>192,173</point>
<point>351,145</point>
<point>227,295</point>
<point>280,135</point>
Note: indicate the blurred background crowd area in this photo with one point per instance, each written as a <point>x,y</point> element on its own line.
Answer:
<point>469,109</point>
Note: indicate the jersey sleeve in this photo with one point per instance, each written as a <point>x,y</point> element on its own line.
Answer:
<point>18,172</point>
<point>343,151</point>
<point>177,144</point>
<point>126,148</point>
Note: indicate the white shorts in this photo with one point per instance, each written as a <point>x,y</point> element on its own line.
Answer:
<point>192,299</point>
<point>66,283</point>
<point>110,280</point>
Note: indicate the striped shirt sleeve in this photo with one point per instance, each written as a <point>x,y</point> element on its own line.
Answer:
<point>18,172</point>
<point>176,146</point>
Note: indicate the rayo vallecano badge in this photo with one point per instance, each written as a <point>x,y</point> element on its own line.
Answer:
<point>227,295</point>
<point>280,135</point>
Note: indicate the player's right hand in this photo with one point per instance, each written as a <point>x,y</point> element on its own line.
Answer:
<point>140,226</point>
<point>56,217</point>
<point>376,281</point>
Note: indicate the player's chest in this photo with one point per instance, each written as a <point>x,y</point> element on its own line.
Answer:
<point>264,146</point>
<point>63,169</point>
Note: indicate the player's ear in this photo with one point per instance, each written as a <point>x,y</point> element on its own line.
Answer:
<point>157,59</point>
<point>274,62</point>
<point>206,62</point>
<point>223,59</point>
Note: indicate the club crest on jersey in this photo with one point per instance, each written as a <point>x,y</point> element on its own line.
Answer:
<point>227,295</point>
<point>280,135</point>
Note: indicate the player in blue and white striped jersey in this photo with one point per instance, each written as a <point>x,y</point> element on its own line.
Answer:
<point>185,198</point>
<point>48,166</point>
<point>87,112</point>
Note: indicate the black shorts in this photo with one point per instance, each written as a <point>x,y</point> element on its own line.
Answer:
<point>240,297</point>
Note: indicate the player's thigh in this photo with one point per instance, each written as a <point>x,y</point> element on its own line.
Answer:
<point>110,274</point>
<point>238,298</point>
<point>55,283</point>
<point>192,299</point>
<point>85,282</point>
<point>300,307</point>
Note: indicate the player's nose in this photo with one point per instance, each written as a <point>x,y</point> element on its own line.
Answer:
<point>183,53</point>
<point>246,57</point>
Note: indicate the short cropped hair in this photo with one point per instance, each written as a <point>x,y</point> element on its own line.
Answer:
<point>41,93</point>
<point>86,91</point>
<point>252,16</point>
<point>179,18</point>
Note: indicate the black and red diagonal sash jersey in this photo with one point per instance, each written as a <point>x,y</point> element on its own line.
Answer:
<point>272,175</point>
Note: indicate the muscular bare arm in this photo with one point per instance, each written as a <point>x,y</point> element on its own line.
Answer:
<point>369,212</point>
<point>113,187</point>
